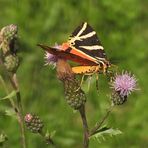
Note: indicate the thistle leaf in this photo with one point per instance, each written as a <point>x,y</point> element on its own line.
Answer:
<point>3,138</point>
<point>51,134</point>
<point>10,112</point>
<point>104,131</point>
<point>12,94</point>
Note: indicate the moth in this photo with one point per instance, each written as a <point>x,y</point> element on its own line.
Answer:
<point>85,48</point>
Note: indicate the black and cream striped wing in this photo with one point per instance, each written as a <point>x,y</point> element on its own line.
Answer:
<point>84,39</point>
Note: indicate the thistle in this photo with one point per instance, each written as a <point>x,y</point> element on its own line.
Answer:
<point>8,36</point>
<point>33,123</point>
<point>11,62</point>
<point>123,85</point>
<point>74,95</point>
<point>50,59</point>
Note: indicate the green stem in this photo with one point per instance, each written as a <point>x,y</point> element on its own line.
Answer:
<point>7,92</point>
<point>85,127</point>
<point>17,109</point>
<point>99,124</point>
<point>14,82</point>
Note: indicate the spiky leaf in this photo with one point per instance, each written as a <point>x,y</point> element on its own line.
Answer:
<point>105,131</point>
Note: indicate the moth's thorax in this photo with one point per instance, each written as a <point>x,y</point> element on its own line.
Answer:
<point>65,46</point>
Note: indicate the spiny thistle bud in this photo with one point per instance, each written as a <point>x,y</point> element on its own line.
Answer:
<point>9,32</point>
<point>33,123</point>
<point>11,62</point>
<point>8,36</point>
<point>74,95</point>
<point>117,99</point>
<point>122,86</point>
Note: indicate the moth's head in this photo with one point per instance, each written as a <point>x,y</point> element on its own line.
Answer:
<point>108,63</point>
<point>112,69</point>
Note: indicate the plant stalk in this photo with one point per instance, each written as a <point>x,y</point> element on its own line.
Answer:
<point>85,127</point>
<point>17,111</point>
<point>7,93</point>
<point>99,124</point>
<point>14,82</point>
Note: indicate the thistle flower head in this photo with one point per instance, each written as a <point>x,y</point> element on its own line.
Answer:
<point>124,84</point>
<point>9,32</point>
<point>28,117</point>
<point>51,59</point>
<point>13,28</point>
<point>74,95</point>
<point>33,123</point>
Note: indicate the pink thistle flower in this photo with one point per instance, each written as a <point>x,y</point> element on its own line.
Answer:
<point>124,84</point>
<point>33,123</point>
<point>28,117</point>
<point>51,59</point>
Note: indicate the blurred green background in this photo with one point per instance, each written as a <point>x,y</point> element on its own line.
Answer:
<point>122,28</point>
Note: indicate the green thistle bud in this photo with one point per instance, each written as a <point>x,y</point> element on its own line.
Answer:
<point>11,62</point>
<point>8,37</point>
<point>74,95</point>
<point>117,99</point>
<point>33,123</point>
<point>9,32</point>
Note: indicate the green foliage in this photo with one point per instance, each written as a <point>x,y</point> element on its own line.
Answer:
<point>3,138</point>
<point>12,94</point>
<point>122,28</point>
<point>105,131</point>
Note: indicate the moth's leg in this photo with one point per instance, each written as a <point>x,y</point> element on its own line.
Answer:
<point>82,79</point>
<point>111,71</point>
<point>89,81</point>
<point>104,68</point>
<point>115,67</point>
<point>97,80</point>
<point>110,75</point>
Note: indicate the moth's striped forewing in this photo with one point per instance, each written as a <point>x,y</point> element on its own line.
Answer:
<point>84,43</point>
<point>66,55</point>
<point>83,47</point>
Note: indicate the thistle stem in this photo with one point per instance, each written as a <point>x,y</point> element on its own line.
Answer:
<point>14,82</point>
<point>17,111</point>
<point>85,127</point>
<point>7,92</point>
<point>99,124</point>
